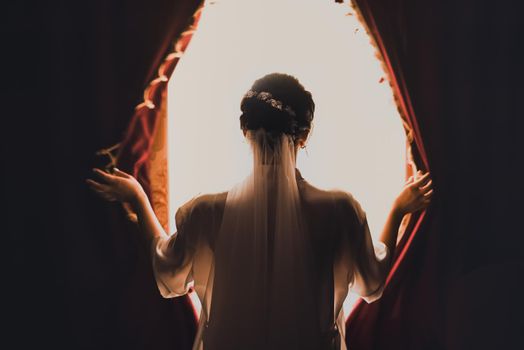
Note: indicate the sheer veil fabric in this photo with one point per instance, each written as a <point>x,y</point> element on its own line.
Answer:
<point>258,276</point>
<point>263,282</point>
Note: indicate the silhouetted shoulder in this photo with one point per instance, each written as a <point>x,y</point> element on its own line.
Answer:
<point>341,204</point>
<point>201,215</point>
<point>348,207</point>
<point>201,206</point>
<point>210,202</point>
<point>315,196</point>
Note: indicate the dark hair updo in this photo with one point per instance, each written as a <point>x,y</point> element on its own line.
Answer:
<point>279,104</point>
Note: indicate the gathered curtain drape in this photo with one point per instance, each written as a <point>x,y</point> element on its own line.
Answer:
<point>406,316</point>
<point>143,153</point>
<point>143,148</point>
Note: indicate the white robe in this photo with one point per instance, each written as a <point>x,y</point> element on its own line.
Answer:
<point>344,255</point>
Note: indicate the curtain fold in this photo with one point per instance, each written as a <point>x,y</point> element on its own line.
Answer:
<point>143,148</point>
<point>410,287</point>
<point>135,149</point>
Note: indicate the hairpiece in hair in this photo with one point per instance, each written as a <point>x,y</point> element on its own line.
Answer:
<point>268,98</point>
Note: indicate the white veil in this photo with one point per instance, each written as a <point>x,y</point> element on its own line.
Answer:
<point>262,291</point>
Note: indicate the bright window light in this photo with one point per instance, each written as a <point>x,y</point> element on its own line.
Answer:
<point>357,143</point>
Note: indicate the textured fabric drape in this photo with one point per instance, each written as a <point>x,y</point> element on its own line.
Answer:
<point>143,149</point>
<point>388,322</point>
<point>143,152</point>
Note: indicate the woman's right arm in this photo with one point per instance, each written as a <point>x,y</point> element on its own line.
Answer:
<point>372,261</point>
<point>415,196</point>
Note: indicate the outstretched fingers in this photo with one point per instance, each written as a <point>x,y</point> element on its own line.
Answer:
<point>424,189</point>
<point>426,199</point>
<point>97,187</point>
<point>427,187</point>
<point>428,194</point>
<point>422,180</point>
<point>101,190</point>
<point>121,173</point>
<point>103,175</point>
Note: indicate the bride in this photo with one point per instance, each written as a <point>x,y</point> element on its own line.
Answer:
<point>273,258</point>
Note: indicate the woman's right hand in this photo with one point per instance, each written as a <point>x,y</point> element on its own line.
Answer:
<point>415,196</point>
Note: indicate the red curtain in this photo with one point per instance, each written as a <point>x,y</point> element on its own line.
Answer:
<point>134,154</point>
<point>407,316</point>
<point>134,150</point>
<point>143,151</point>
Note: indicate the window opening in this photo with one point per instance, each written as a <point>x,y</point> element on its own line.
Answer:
<point>357,143</point>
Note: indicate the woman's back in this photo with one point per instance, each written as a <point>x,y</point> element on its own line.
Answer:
<point>333,223</point>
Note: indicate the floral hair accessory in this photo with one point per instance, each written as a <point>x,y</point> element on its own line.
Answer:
<point>268,98</point>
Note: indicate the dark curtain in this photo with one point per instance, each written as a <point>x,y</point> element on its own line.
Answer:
<point>133,152</point>
<point>76,276</point>
<point>459,66</point>
<point>72,73</point>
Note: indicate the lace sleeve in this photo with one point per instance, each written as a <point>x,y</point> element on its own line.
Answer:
<point>172,258</point>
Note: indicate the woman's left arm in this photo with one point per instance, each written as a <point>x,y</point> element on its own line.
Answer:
<point>172,263</point>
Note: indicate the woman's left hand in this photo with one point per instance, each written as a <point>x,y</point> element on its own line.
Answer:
<point>119,186</point>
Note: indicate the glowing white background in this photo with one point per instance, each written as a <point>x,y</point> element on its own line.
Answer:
<point>357,143</point>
